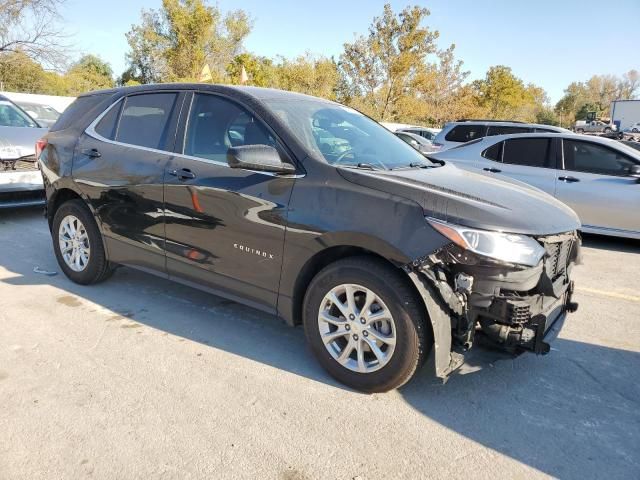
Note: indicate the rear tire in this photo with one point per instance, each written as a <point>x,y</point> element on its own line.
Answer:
<point>607,130</point>
<point>580,130</point>
<point>373,365</point>
<point>78,245</point>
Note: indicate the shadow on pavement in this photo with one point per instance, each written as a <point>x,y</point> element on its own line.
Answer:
<point>572,414</point>
<point>614,244</point>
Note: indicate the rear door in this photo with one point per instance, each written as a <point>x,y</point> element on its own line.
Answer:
<point>595,183</point>
<point>225,227</point>
<point>531,160</point>
<point>120,164</point>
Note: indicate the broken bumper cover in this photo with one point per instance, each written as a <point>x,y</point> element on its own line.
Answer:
<point>509,307</point>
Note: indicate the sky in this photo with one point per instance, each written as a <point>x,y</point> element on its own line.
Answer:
<point>548,43</point>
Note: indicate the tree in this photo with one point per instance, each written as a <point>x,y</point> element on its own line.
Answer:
<point>505,96</point>
<point>176,41</point>
<point>260,70</point>
<point>379,70</point>
<point>30,27</point>
<point>89,73</point>
<point>313,75</point>
<point>441,91</point>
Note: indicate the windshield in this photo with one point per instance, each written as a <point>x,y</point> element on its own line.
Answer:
<point>343,136</point>
<point>10,116</point>
<point>43,112</point>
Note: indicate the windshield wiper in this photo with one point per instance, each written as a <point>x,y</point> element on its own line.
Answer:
<point>413,165</point>
<point>365,166</point>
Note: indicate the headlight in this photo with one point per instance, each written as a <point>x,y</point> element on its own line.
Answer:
<point>504,247</point>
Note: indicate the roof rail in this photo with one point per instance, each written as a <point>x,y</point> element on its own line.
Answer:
<point>487,120</point>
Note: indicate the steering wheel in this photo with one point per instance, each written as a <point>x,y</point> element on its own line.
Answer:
<point>342,156</point>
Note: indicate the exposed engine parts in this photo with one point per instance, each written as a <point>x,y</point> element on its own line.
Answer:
<point>511,307</point>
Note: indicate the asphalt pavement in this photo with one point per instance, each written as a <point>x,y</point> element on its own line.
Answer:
<point>142,378</point>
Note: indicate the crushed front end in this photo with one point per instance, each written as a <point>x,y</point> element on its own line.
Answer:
<point>506,305</point>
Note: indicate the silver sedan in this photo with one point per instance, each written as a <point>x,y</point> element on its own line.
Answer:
<point>597,177</point>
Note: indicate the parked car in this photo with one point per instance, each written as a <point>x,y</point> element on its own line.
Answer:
<point>20,181</point>
<point>635,128</point>
<point>416,141</point>
<point>462,131</point>
<point>45,115</point>
<point>424,132</point>
<point>377,251</point>
<point>594,126</point>
<point>595,176</point>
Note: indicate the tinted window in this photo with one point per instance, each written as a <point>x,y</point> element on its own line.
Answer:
<point>504,130</point>
<point>423,133</point>
<point>76,110</point>
<point>145,119</point>
<point>216,124</point>
<point>526,151</point>
<point>107,126</point>
<point>494,152</point>
<point>593,158</point>
<point>465,133</point>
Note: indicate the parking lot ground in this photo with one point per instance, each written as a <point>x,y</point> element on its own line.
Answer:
<point>142,378</point>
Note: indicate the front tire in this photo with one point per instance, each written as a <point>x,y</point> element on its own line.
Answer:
<point>365,324</point>
<point>78,245</point>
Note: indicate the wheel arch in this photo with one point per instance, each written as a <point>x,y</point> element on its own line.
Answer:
<point>61,196</point>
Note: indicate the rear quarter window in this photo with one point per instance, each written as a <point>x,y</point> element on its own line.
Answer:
<point>494,152</point>
<point>77,110</point>
<point>465,133</point>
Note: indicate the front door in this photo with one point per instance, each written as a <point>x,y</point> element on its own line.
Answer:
<point>225,227</point>
<point>595,183</point>
<point>119,164</point>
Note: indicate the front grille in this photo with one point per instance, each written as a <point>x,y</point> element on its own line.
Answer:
<point>22,164</point>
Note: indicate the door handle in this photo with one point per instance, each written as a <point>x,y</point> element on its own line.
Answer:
<point>91,152</point>
<point>569,179</point>
<point>492,170</point>
<point>183,174</point>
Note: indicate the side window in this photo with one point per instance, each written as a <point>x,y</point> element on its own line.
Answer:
<point>494,152</point>
<point>593,158</point>
<point>531,152</point>
<point>505,130</point>
<point>545,130</point>
<point>216,124</point>
<point>77,110</point>
<point>145,119</point>
<point>465,133</point>
<point>107,126</point>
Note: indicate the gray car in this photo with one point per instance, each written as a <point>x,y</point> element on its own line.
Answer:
<point>597,177</point>
<point>20,179</point>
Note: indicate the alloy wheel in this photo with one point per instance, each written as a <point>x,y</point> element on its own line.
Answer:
<point>357,328</point>
<point>74,243</point>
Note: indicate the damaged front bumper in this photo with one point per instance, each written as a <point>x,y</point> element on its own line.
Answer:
<point>510,307</point>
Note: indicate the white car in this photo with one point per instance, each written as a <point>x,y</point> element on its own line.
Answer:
<point>599,178</point>
<point>462,131</point>
<point>635,128</point>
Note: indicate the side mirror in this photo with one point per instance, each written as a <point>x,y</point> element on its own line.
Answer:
<point>262,158</point>
<point>634,172</point>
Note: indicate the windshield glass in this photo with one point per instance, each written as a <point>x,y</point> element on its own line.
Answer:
<point>43,112</point>
<point>10,116</point>
<point>343,136</point>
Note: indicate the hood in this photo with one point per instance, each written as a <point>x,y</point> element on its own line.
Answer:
<point>474,200</point>
<point>17,142</point>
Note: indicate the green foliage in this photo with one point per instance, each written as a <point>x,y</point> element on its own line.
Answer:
<point>176,41</point>
<point>379,69</point>
<point>308,74</point>
<point>260,70</point>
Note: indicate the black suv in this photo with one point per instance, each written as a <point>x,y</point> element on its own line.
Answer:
<point>311,211</point>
